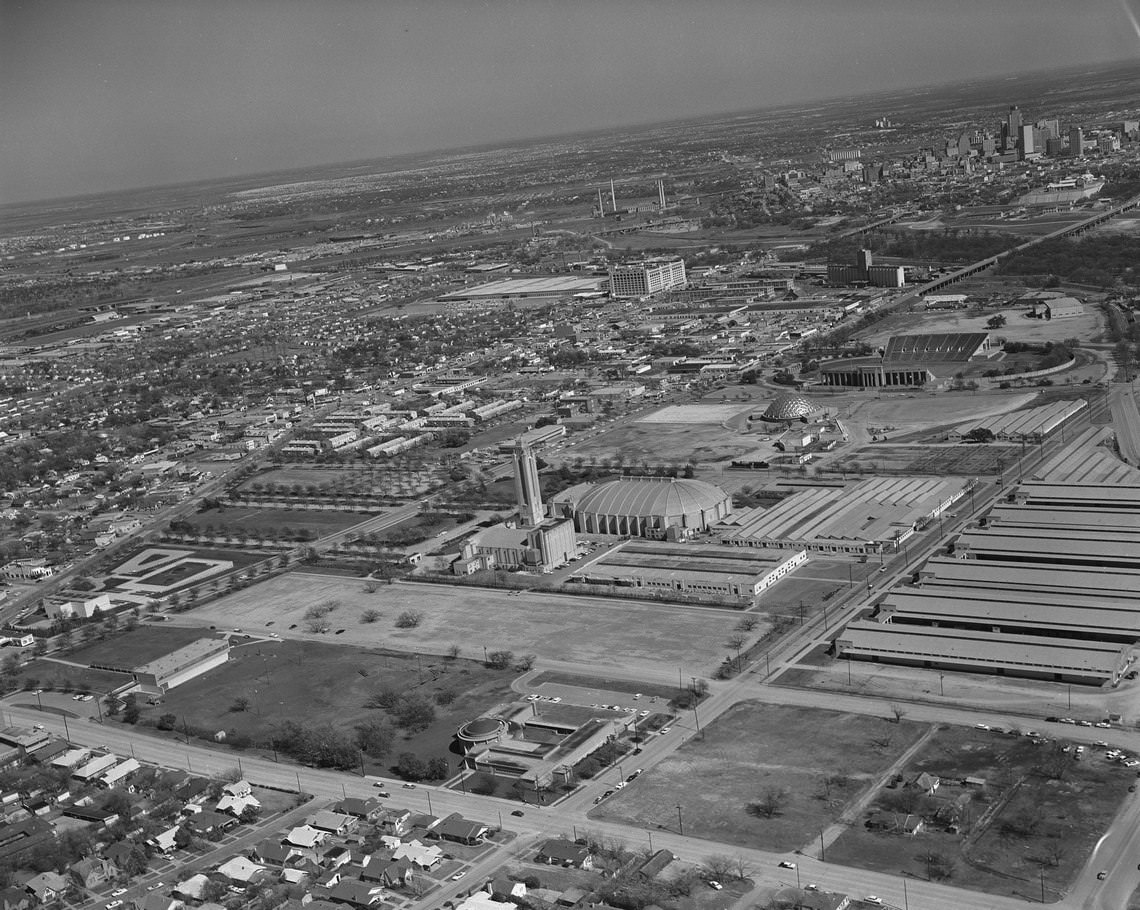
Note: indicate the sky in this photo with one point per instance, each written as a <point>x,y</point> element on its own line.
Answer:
<point>100,95</point>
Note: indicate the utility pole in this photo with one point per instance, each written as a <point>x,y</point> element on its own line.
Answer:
<point>680,821</point>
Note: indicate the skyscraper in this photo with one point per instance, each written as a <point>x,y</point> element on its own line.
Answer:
<point>528,489</point>
<point>1076,141</point>
<point>1013,127</point>
<point>1025,140</point>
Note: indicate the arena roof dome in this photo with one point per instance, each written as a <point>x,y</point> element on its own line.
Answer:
<point>789,407</point>
<point>648,497</point>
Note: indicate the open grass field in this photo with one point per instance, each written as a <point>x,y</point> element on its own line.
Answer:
<point>50,674</point>
<point>137,647</point>
<point>317,683</point>
<point>595,632</point>
<point>228,519</point>
<point>668,443</point>
<point>821,759</point>
<point>1039,811</point>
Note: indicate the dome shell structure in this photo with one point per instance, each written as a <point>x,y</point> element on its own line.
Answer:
<point>789,407</point>
<point>648,506</point>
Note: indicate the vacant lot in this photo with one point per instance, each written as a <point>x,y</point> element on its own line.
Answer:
<point>800,765</point>
<point>643,639</point>
<point>1038,811</point>
<point>137,647</point>
<point>665,443</point>
<point>228,519</point>
<point>314,684</point>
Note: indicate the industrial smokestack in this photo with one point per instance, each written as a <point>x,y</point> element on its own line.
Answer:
<point>601,207</point>
<point>661,194</point>
<point>613,195</point>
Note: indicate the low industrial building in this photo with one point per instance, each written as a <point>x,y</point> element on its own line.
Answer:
<point>547,287</point>
<point>181,666</point>
<point>1032,425</point>
<point>709,569</point>
<point>872,516</point>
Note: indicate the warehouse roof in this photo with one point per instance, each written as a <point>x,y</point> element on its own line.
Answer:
<point>983,650</point>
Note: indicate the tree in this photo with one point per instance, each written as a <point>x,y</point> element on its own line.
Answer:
<point>415,713</point>
<point>369,616</point>
<point>39,649</point>
<point>526,662</point>
<point>241,703</point>
<point>438,768</point>
<point>995,322</point>
<point>500,660</point>
<point>453,652</point>
<point>898,712</point>
<point>980,434</point>
<point>131,710</point>
<point>167,722</point>
<point>770,804</point>
<point>409,619</point>
<point>375,737</point>
<point>411,767</point>
<point>718,866</point>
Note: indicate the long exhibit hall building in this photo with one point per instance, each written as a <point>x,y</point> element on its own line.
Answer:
<point>1046,586</point>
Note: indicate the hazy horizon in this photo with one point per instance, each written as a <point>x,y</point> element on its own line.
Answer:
<point>126,95</point>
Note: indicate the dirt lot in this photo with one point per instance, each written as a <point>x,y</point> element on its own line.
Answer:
<point>604,633</point>
<point>821,759</point>
<point>666,443</point>
<point>1009,831</point>
<point>315,683</point>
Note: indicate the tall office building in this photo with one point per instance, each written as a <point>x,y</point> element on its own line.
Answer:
<point>1025,140</point>
<point>1076,141</point>
<point>640,279</point>
<point>1011,129</point>
<point>528,489</point>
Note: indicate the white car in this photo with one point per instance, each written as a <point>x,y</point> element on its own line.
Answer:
<point>981,726</point>
<point>642,713</point>
<point>871,899</point>
<point>784,864</point>
<point>663,731</point>
<point>118,892</point>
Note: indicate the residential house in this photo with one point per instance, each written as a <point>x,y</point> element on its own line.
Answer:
<point>23,835</point>
<point>399,821</point>
<point>272,853</point>
<point>236,805</point>
<point>118,855</point>
<point>335,857</point>
<point>502,888</point>
<point>392,873</point>
<point>927,783</point>
<point>481,900</point>
<point>306,836</point>
<point>92,872</point>
<point>460,830</point>
<point>419,855</point>
<point>191,889</point>
<point>238,789</point>
<point>364,809</point>
<point>243,870</point>
<point>562,852</point>
<point>913,824</point>
<point>47,886</point>
<point>655,864</point>
<point>156,901</point>
<point>166,841</point>
<point>333,822</point>
<point>207,822</point>
<point>356,893</point>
